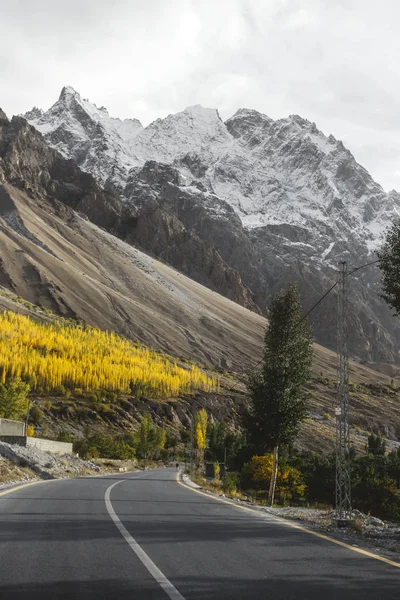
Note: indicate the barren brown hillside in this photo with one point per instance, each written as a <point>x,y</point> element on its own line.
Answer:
<point>56,259</point>
<point>76,269</point>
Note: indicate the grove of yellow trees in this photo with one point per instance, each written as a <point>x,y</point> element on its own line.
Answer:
<point>75,356</point>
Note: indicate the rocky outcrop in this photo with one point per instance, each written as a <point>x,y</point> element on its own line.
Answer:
<point>159,229</point>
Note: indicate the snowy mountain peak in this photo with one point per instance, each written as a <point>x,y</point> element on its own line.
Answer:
<point>278,199</point>
<point>196,117</point>
<point>201,112</point>
<point>249,114</point>
<point>272,173</point>
<point>248,125</point>
<point>194,135</point>
<point>71,100</point>
<point>33,114</point>
<point>78,129</point>
<point>300,121</point>
<point>67,92</point>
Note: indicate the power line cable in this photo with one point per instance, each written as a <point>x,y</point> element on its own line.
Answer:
<point>316,304</point>
<point>374,262</point>
<point>244,379</point>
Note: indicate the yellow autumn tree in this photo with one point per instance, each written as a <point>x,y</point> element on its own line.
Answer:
<point>257,474</point>
<point>199,437</point>
<point>58,355</point>
<point>200,422</point>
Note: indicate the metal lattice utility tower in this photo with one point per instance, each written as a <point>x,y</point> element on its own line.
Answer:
<point>343,475</point>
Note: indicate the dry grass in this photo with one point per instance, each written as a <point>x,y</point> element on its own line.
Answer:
<point>10,472</point>
<point>356,525</point>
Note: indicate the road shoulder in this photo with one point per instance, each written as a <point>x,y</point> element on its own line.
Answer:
<point>259,511</point>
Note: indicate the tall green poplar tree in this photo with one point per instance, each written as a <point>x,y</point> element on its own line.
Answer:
<point>278,397</point>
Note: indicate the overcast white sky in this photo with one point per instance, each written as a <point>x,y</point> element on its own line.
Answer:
<point>335,62</point>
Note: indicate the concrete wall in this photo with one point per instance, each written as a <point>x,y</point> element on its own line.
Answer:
<point>49,445</point>
<point>19,440</point>
<point>9,427</point>
<point>39,443</point>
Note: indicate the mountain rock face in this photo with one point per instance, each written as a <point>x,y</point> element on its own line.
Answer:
<point>28,163</point>
<point>276,201</point>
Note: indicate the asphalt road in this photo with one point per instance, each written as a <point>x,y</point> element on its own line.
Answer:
<point>150,538</point>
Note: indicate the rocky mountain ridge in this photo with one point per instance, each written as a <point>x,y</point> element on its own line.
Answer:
<point>277,200</point>
<point>270,172</point>
<point>27,162</point>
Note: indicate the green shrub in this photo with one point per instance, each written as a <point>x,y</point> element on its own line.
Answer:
<point>319,475</point>
<point>290,484</point>
<point>60,390</point>
<point>171,440</point>
<point>13,399</point>
<point>106,446</point>
<point>36,415</point>
<point>64,436</point>
<point>231,482</point>
<point>63,410</point>
<point>380,497</point>
<point>105,410</point>
<point>375,479</point>
<point>111,396</point>
<point>125,404</point>
<point>93,452</point>
<point>185,435</point>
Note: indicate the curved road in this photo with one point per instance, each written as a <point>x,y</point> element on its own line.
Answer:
<point>142,536</point>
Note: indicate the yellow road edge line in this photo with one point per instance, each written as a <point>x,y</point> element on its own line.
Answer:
<point>294,526</point>
<point>20,487</point>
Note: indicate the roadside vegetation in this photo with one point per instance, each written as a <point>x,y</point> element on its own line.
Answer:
<point>147,443</point>
<point>308,479</point>
<point>278,404</point>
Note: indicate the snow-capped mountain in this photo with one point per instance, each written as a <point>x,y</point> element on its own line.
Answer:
<point>270,172</point>
<point>278,200</point>
<point>297,175</point>
<point>97,142</point>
